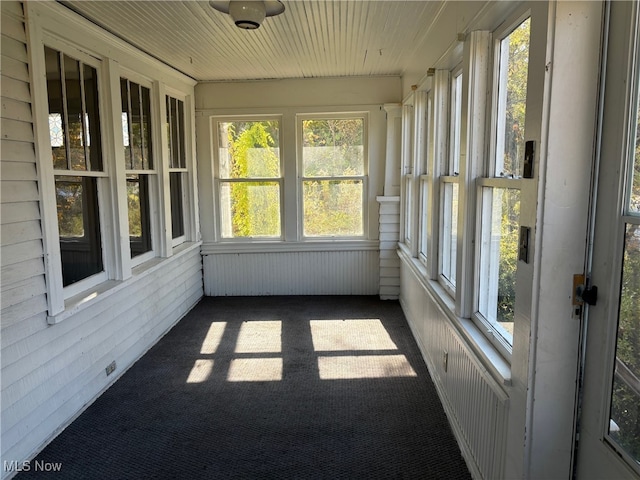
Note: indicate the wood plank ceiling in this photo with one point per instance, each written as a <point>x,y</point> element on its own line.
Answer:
<point>311,39</point>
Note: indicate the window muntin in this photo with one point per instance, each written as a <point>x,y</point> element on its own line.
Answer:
<point>178,173</point>
<point>136,116</point>
<point>250,179</point>
<point>333,181</point>
<point>74,130</point>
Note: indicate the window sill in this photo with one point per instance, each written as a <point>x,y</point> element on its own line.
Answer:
<point>288,247</point>
<point>489,357</point>
<point>88,298</point>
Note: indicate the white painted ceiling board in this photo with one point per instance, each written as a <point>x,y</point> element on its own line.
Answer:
<point>311,39</point>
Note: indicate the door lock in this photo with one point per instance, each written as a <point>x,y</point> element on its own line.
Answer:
<point>583,292</point>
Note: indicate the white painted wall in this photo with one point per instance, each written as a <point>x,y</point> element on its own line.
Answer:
<point>322,262</point>
<point>50,373</point>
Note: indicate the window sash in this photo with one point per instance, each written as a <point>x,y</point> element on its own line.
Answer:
<point>347,186</point>
<point>448,245</point>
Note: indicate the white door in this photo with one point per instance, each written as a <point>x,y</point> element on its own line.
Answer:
<point>609,421</point>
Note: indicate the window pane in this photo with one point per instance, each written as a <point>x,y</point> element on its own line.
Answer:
<point>424,214</point>
<point>333,148</point>
<point>74,113</point>
<point>56,112</point>
<point>499,257</point>
<point>92,118</point>
<point>136,117</point>
<point>126,123</point>
<point>177,209</point>
<point>456,125</point>
<point>333,207</point>
<point>408,217</point>
<point>249,149</point>
<point>78,227</point>
<point>625,409</point>
<point>448,249</point>
<point>175,133</point>
<point>512,101</point>
<point>181,138</point>
<point>250,209</point>
<point>139,218</point>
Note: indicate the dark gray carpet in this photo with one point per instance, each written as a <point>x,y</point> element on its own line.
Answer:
<point>153,423</point>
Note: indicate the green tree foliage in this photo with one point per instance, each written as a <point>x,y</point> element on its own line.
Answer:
<point>508,255</point>
<point>252,153</point>
<point>625,408</point>
<point>517,71</point>
<point>333,148</point>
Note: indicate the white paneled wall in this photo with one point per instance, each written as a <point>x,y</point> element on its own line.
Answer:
<point>292,273</point>
<point>477,406</point>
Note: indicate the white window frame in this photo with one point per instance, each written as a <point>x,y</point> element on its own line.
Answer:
<point>364,178</point>
<point>491,179</point>
<point>58,293</point>
<point>184,171</point>
<point>408,177</point>
<point>218,181</point>
<point>425,180</point>
<point>451,176</point>
<point>152,174</point>
<point>49,24</point>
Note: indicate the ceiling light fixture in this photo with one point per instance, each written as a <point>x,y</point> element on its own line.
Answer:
<point>248,14</point>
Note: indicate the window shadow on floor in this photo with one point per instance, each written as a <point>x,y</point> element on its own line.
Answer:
<point>269,387</point>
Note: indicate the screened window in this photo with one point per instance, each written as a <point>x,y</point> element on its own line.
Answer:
<point>177,165</point>
<point>76,153</point>
<point>136,122</point>
<point>449,189</point>
<point>250,179</point>
<point>333,179</point>
<point>499,190</point>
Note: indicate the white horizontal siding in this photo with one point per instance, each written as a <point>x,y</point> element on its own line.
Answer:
<point>477,407</point>
<point>292,273</point>
<point>51,372</point>
<point>389,221</point>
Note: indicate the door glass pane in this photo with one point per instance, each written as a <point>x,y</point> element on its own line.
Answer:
<point>634,201</point>
<point>624,425</point>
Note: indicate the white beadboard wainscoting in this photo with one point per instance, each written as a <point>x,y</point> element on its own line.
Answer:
<point>351,271</point>
<point>476,404</point>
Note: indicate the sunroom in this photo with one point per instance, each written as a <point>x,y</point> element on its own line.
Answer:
<point>475,161</point>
